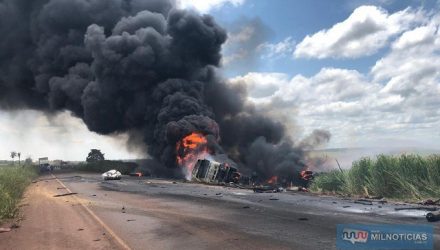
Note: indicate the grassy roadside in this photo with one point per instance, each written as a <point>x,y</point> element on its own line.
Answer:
<point>13,182</point>
<point>398,177</point>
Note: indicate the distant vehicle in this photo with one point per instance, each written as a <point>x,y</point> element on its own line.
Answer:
<point>112,175</point>
<point>45,167</point>
<point>214,172</point>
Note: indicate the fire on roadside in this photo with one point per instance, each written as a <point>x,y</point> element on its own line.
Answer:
<point>306,175</point>
<point>190,149</point>
<point>136,174</point>
<point>273,180</point>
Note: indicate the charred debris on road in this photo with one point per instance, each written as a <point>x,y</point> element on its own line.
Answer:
<point>212,172</point>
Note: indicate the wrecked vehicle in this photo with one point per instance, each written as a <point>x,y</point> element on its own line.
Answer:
<point>307,175</point>
<point>214,172</point>
<point>112,175</point>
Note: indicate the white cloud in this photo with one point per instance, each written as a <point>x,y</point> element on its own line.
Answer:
<point>412,67</point>
<point>242,44</point>
<point>398,100</point>
<point>238,55</point>
<point>245,34</point>
<point>417,37</point>
<point>281,49</point>
<point>329,85</point>
<point>347,103</point>
<point>364,32</point>
<point>235,47</point>
<point>205,6</point>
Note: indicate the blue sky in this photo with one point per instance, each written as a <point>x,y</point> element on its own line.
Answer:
<point>364,70</point>
<point>368,71</point>
<point>296,19</point>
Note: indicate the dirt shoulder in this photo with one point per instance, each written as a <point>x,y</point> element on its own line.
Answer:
<point>48,222</point>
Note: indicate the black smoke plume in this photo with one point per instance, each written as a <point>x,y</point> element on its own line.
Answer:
<point>131,66</point>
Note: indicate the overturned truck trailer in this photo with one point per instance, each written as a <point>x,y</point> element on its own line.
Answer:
<point>214,172</point>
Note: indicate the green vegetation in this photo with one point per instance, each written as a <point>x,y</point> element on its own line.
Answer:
<point>400,177</point>
<point>106,165</point>
<point>95,162</point>
<point>13,182</point>
<point>95,155</point>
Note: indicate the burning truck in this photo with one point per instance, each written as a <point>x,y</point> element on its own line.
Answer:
<point>148,70</point>
<point>201,163</point>
<point>214,172</point>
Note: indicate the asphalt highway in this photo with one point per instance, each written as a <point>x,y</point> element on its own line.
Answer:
<point>144,213</point>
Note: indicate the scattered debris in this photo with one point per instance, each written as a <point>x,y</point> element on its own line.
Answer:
<point>268,189</point>
<point>363,202</point>
<point>303,219</point>
<point>66,194</point>
<point>131,220</point>
<point>231,184</point>
<point>292,188</point>
<point>273,199</point>
<point>97,240</point>
<point>61,188</point>
<point>5,229</point>
<point>80,229</point>
<point>297,189</point>
<point>218,194</point>
<point>346,206</point>
<point>246,207</point>
<point>174,182</point>
<point>433,217</point>
<point>430,202</point>
<point>123,210</point>
<point>93,194</point>
<point>137,174</point>
<point>416,208</point>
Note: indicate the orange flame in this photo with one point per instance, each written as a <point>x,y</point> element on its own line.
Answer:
<point>273,180</point>
<point>306,175</point>
<point>190,149</point>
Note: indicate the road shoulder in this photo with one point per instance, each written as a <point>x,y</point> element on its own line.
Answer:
<point>48,222</point>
